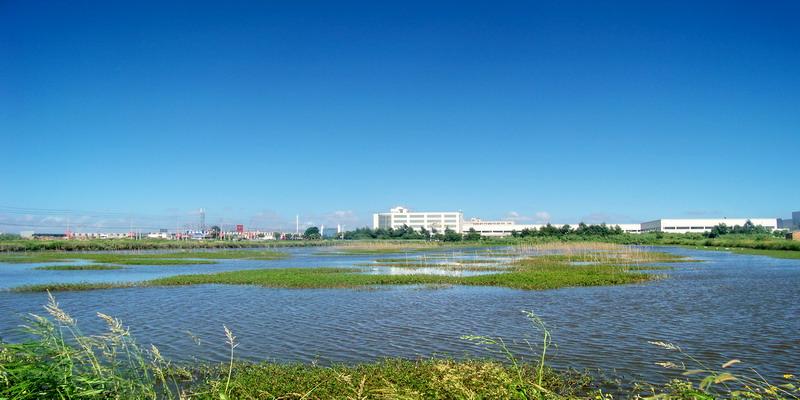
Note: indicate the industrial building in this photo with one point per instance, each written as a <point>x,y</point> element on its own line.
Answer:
<point>790,224</point>
<point>399,216</point>
<point>687,225</point>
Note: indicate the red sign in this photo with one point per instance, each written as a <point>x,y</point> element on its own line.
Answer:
<point>239,228</point>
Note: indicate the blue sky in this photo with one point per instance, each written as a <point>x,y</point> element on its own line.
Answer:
<point>534,111</point>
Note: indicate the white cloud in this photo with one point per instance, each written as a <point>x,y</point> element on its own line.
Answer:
<point>608,218</point>
<point>699,213</point>
<point>540,217</point>
<point>348,218</point>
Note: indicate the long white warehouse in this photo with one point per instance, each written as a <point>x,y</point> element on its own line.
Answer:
<point>703,225</point>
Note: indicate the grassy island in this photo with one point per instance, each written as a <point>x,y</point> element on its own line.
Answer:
<point>582,264</point>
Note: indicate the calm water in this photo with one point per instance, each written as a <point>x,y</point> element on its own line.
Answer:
<point>731,306</point>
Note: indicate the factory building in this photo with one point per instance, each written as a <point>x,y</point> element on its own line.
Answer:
<point>454,220</point>
<point>687,225</point>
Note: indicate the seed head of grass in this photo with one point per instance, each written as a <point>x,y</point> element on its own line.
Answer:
<point>231,339</point>
<point>668,346</point>
<point>54,310</point>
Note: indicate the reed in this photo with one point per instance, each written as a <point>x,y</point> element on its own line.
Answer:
<point>87,267</point>
<point>730,380</point>
<point>63,363</point>
<point>138,258</point>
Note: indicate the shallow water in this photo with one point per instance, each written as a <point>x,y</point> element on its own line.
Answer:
<point>731,306</point>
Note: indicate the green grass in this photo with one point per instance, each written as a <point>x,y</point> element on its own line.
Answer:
<point>790,254</point>
<point>403,265</point>
<point>87,267</point>
<point>540,277</point>
<point>602,258</point>
<point>435,378</point>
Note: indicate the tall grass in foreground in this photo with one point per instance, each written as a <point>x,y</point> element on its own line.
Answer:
<point>63,363</point>
<point>707,383</point>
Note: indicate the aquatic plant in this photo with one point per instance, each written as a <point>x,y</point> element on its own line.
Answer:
<point>526,389</point>
<point>706,383</point>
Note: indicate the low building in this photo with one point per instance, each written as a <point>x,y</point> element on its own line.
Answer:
<point>100,235</point>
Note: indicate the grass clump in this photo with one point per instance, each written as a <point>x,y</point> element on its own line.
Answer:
<point>789,254</point>
<point>57,287</point>
<point>539,278</point>
<point>86,267</point>
<point>436,378</point>
<point>180,258</point>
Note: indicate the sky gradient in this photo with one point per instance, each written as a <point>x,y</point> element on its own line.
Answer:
<point>619,112</point>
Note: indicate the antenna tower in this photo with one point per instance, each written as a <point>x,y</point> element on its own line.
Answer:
<point>202,219</point>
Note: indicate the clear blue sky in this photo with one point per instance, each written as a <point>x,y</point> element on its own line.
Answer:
<point>535,111</point>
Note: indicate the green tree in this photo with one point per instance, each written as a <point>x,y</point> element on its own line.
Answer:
<point>472,235</point>
<point>424,233</point>
<point>451,235</point>
<point>312,233</point>
<point>214,232</point>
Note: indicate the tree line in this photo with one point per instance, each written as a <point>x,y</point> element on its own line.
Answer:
<point>406,232</point>
<point>747,229</point>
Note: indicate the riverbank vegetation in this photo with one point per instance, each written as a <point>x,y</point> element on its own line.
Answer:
<point>138,258</point>
<point>61,362</point>
<point>21,245</point>
<point>86,267</point>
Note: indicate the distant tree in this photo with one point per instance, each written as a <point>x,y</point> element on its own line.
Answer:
<point>472,235</point>
<point>451,235</point>
<point>214,232</point>
<point>312,233</point>
<point>718,230</point>
<point>424,233</point>
<point>549,230</point>
<point>566,229</point>
<point>9,236</point>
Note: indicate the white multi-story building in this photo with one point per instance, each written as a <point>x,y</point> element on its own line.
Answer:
<point>687,225</point>
<point>400,216</point>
